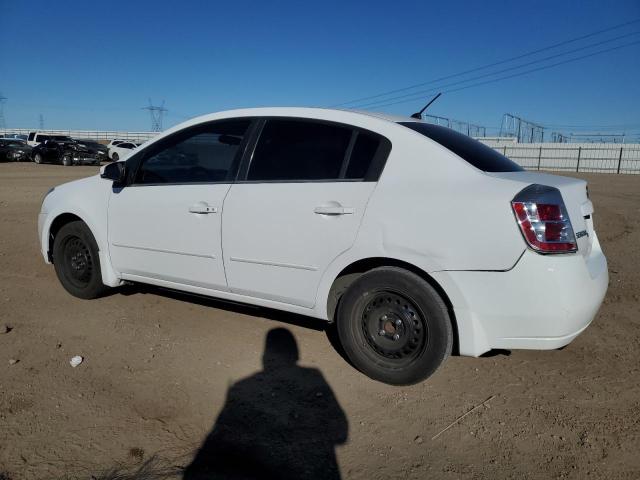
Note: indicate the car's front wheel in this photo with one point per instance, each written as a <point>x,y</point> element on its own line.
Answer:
<point>393,326</point>
<point>37,158</point>
<point>75,258</point>
<point>66,161</point>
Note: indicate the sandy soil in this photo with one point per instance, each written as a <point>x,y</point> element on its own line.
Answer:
<point>160,368</point>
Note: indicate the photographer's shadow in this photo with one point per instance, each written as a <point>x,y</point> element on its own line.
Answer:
<point>283,422</point>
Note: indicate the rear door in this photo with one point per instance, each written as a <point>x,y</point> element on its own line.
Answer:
<point>297,205</point>
<point>166,223</point>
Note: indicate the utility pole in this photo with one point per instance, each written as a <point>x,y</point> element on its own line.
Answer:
<point>3,99</point>
<point>41,122</point>
<point>156,113</point>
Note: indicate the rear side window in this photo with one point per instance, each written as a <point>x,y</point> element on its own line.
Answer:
<point>42,138</point>
<point>472,151</point>
<point>31,135</point>
<point>364,150</point>
<point>293,150</point>
<point>204,154</point>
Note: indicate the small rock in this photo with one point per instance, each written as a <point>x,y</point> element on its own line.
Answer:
<point>5,329</point>
<point>13,361</point>
<point>418,440</point>
<point>75,361</point>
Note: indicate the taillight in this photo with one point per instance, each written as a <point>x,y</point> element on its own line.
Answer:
<point>543,220</point>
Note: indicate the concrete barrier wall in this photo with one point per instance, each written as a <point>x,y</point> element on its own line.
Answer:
<point>572,157</point>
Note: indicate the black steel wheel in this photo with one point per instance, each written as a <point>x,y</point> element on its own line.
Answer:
<point>76,260</point>
<point>394,326</point>
<point>115,157</point>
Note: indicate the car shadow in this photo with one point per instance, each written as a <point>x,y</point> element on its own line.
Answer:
<point>283,422</point>
<point>277,315</point>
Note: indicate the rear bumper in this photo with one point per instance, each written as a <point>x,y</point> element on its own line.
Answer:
<point>542,303</point>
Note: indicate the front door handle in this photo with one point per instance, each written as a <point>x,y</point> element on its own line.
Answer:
<point>326,210</point>
<point>202,207</point>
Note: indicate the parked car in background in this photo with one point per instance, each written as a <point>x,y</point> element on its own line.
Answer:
<point>35,138</point>
<point>16,136</point>
<point>121,150</point>
<point>412,238</point>
<point>14,150</point>
<point>64,151</point>
<point>100,150</point>
<point>113,143</point>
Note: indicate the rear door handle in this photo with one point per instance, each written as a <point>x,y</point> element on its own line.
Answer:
<point>334,210</point>
<point>202,207</point>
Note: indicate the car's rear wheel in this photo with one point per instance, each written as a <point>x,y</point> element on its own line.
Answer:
<point>75,258</point>
<point>37,158</point>
<point>394,327</point>
<point>115,157</point>
<point>66,161</point>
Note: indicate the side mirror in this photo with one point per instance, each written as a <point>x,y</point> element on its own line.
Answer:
<point>116,172</point>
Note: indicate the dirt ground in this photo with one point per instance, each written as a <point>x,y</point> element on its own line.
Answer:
<point>169,378</point>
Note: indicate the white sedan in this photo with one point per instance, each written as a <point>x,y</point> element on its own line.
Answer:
<point>121,151</point>
<point>412,238</point>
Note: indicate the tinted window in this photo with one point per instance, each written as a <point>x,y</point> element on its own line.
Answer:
<point>41,138</point>
<point>296,150</point>
<point>364,150</point>
<point>472,151</point>
<point>203,154</point>
<point>31,135</point>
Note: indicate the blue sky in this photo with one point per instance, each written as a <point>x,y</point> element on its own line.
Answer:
<point>93,65</point>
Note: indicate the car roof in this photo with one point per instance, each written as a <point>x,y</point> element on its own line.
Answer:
<point>331,114</point>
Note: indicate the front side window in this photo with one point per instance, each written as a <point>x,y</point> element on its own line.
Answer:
<point>295,150</point>
<point>203,154</point>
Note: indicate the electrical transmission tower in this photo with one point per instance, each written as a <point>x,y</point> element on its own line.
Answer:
<point>41,122</point>
<point>524,130</point>
<point>3,99</point>
<point>156,112</point>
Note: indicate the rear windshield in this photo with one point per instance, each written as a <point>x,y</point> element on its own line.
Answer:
<point>472,151</point>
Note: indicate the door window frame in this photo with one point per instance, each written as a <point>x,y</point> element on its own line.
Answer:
<point>373,173</point>
<point>135,161</point>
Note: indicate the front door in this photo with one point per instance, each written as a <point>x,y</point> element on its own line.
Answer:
<point>166,223</point>
<point>299,207</point>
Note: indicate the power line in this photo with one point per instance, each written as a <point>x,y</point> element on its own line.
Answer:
<point>516,67</point>
<point>599,52</point>
<point>483,67</point>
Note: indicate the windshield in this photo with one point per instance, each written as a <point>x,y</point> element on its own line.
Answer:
<point>472,151</point>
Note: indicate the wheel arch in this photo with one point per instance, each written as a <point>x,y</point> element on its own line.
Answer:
<point>109,276</point>
<point>357,268</point>
<point>57,223</point>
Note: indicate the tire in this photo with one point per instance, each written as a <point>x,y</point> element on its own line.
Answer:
<point>75,258</point>
<point>394,326</point>
<point>66,161</point>
<point>115,157</point>
<point>37,158</point>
